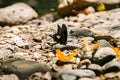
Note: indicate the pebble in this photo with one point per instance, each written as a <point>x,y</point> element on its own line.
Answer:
<point>68,77</point>
<point>80,73</point>
<point>96,68</point>
<point>16,14</point>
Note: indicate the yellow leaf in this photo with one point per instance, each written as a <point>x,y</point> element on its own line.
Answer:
<point>87,47</point>
<point>101,7</point>
<point>96,46</point>
<point>117,51</point>
<point>64,58</point>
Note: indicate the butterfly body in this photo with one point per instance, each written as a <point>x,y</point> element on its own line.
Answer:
<point>61,35</point>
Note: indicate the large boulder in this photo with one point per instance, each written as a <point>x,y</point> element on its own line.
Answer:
<point>16,14</point>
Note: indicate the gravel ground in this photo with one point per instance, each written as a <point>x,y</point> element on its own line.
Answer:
<point>27,51</point>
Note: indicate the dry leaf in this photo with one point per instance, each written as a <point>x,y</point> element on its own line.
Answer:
<point>64,58</point>
<point>96,46</point>
<point>87,47</point>
<point>117,51</point>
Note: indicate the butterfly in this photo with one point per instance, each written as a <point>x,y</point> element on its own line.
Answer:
<point>61,35</point>
<point>64,58</point>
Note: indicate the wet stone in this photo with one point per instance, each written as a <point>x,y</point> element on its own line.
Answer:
<point>22,68</point>
<point>104,55</point>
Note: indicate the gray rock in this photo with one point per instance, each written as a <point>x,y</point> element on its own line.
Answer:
<point>82,33</point>
<point>96,68</point>
<point>104,55</point>
<point>80,73</point>
<point>23,68</point>
<point>104,43</point>
<point>112,66</point>
<point>16,13</point>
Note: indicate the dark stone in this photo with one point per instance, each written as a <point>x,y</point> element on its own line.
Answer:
<point>22,68</point>
<point>82,33</point>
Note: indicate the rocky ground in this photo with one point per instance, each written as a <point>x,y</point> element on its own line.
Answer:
<point>28,52</point>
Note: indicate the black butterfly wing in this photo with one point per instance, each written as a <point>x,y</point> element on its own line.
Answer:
<point>57,36</point>
<point>63,35</point>
<point>59,30</point>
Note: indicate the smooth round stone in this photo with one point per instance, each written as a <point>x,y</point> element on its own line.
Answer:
<point>80,73</point>
<point>104,55</point>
